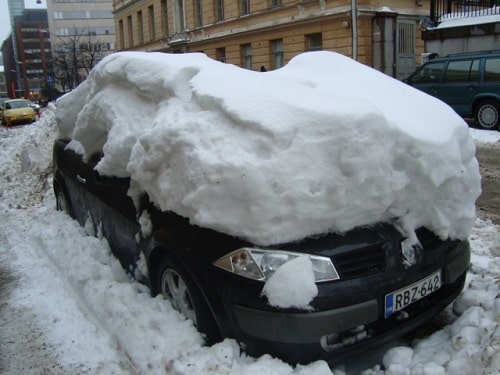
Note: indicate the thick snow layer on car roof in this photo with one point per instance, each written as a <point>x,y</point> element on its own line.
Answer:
<point>322,144</point>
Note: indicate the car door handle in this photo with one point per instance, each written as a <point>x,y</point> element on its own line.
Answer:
<point>81,179</point>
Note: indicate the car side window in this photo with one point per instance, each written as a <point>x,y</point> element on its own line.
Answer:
<point>462,71</point>
<point>492,70</point>
<point>430,73</point>
<point>102,179</point>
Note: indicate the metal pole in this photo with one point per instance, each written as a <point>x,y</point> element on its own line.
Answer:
<point>354,22</point>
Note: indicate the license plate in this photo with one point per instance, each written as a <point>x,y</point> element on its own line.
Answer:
<point>401,298</point>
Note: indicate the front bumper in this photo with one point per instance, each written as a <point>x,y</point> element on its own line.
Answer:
<point>20,118</point>
<point>332,334</point>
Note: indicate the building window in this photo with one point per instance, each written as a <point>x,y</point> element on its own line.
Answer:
<point>130,31</point>
<point>179,16</point>
<point>164,17</point>
<point>199,12</point>
<point>151,13</point>
<point>245,7</point>
<point>277,46</point>
<point>275,3</point>
<point>220,54</point>
<point>140,27</point>
<point>122,34</point>
<point>314,42</point>
<point>219,6</point>
<point>246,56</point>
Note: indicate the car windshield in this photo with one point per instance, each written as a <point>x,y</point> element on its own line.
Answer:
<point>16,104</point>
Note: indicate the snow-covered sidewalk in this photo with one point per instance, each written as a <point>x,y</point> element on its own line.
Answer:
<point>72,307</point>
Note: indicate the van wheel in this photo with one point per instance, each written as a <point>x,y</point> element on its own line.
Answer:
<point>487,114</point>
<point>176,286</point>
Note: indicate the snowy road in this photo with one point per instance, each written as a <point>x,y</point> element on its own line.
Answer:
<point>489,201</point>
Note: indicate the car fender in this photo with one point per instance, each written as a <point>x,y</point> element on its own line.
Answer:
<point>481,96</point>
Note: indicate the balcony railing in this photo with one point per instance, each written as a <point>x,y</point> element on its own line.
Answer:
<point>443,9</point>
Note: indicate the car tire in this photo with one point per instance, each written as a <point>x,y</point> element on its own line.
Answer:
<point>487,114</point>
<point>62,202</point>
<point>175,284</point>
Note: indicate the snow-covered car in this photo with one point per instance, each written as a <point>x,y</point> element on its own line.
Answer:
<point>285,209</point>
<point>17,111</point>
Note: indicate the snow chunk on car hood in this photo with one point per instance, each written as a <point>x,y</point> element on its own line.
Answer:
<point>292,285</point>
<point>323,144</point>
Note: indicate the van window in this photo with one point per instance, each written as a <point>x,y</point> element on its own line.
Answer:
<point>492,70</point>
<point>462,71</point>
<point>430,73</point>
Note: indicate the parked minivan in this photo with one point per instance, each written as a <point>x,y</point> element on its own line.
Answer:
<point>469,83</point>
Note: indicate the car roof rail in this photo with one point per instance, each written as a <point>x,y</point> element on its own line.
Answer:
<point>472,53</point>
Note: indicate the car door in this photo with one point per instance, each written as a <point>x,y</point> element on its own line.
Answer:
<point>75,173</point>
<point>100,203</point>
<point>428,78</point>
<point>113,213</point>
<point>490,84</point>
<point>460,85</point>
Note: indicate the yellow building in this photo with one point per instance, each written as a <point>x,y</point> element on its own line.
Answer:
<point>268,33</point>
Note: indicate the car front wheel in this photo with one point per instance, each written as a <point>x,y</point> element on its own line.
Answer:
<point>487,114</point>
<point>177,287</point>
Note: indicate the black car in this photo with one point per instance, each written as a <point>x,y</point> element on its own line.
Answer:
<point>367,292</point>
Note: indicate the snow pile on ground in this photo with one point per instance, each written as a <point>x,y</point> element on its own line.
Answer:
<point>322,144</point>
<point>470,344</point>
<point>93,319</point>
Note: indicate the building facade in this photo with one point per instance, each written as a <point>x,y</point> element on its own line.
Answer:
<point>257,34</point>
<point>34,55</point>
<point>460,27</point>
<point>27,56</point>
<point>82,32</point>
<point>9,66</point>
<point>3,83</point>
<point>69,18</point>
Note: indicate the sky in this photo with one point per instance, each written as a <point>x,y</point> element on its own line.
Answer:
<point>107,323</point>
<point>5,18</point>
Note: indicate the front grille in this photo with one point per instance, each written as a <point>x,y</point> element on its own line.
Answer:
<point>360,262</point>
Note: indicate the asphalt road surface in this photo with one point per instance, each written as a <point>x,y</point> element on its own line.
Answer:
<point>488,203</point>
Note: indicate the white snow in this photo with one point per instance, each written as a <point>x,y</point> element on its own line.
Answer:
<point>269,157</point>
<point>292,285</point>
<point>96,320</point>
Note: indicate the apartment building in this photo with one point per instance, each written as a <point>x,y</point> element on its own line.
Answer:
<point>3,83</point>
<point>257,34</point>
<point>29,60</point>
<point>70,18</point>
<point>82,32</point>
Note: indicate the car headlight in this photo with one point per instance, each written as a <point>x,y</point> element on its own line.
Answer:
<point>258,264</point>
